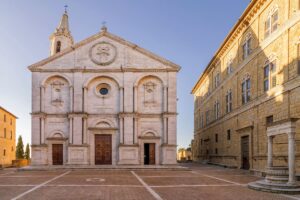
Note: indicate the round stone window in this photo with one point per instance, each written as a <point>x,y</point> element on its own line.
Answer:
<point>103,91</point>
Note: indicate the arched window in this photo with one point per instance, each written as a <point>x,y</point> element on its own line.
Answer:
<point>271,23</point>
<point>58,46</point>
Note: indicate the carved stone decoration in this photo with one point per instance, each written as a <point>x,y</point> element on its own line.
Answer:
<point>56,93</point>
<point>103,53</point>
<point>149,93</point>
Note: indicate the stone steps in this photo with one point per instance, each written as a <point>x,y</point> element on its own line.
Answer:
<point>275,187</point>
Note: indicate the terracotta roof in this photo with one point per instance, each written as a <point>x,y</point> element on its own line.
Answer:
<point>8,112</point>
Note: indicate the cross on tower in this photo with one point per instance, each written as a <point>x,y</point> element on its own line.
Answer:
<point>66,6</point>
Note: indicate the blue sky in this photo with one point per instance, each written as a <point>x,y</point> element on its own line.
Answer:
<point>187,32</point>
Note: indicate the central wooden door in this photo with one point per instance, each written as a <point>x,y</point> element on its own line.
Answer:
<point>149,153</point>
<point>103,150</point>
<point>57,154</point>
<point>245,152</point>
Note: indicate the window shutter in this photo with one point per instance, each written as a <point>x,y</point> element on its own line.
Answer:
<point>274,81</point>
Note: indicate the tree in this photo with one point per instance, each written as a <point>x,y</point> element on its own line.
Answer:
<point>20,148</point>
<point>27,152</point>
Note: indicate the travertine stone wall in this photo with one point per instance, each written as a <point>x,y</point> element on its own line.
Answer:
<point>250,119</point>
<point>140,106</point>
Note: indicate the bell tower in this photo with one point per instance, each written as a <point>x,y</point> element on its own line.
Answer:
<point>61,38</point>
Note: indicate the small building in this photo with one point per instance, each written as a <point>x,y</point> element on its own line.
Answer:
<point>7,137</point>
<point>184,154</point>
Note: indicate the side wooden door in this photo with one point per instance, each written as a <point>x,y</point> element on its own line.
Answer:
<point>152,154</point>
<point>57,154</point>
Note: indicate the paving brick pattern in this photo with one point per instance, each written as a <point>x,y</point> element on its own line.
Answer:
<point>200,182</point>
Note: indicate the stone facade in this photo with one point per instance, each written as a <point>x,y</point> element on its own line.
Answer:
<point>103,85</point>
<point>7,137</point>
<point>252,82</point>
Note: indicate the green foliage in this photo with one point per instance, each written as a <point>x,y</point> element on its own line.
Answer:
<point>27,152</point>
<point>20,148</point>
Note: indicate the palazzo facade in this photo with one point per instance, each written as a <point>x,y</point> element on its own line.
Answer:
<point>250,92</point>
<point>102,101</point>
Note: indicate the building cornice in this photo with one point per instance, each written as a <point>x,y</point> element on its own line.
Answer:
<point>265,43</point>
<point>101,70</point>
<point>237,29</point>
<point>120,115</point>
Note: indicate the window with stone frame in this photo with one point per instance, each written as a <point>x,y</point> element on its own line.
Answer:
<point>247,46</point>
<point>228,134</point>
<point>216,138</point>
<point>228,101</point>
<point>217,110</point>
<point>217,80</point>
<point>207,117</point>
<point>269,120</point>
<point>246,93</point>
<point>4,135</point>
<point>229,67</point>
<point>270,75</point>
<point>271,23</point>
<point>201,121</point>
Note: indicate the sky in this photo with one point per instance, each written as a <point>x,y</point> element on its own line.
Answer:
<point>186,32</point>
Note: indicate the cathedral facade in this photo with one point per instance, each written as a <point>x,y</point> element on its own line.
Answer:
<point>102,101</point>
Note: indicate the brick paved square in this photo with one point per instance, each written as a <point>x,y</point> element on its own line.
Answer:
<point>196,183</point>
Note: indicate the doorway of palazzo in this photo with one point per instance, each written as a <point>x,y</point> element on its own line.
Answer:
<point>103,150</point>
<point>149,153</point>
<point>245,152</point>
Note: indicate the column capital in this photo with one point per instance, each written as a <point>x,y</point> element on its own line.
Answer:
<point>291,135</point>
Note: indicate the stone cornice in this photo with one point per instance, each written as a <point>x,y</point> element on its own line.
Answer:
<point>39,145</point>
<point>128,145</point>
<point>149,137</point>
<point>102,128</point>
<point>93,70</point>
<point>78,145</point>
<point>120,115</point>
<point>168,145</point>
<point>56,139</point>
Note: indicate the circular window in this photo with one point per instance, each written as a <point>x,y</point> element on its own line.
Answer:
<point>103,91</point>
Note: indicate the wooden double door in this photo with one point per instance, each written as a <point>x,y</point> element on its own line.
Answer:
<point>149,154</point>
<point>103,150</point>
<point>57,154</point>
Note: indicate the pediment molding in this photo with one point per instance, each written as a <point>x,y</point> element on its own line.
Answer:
<point>115,38</point>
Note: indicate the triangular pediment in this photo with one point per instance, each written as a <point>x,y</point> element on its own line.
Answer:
<point>104,51</point>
